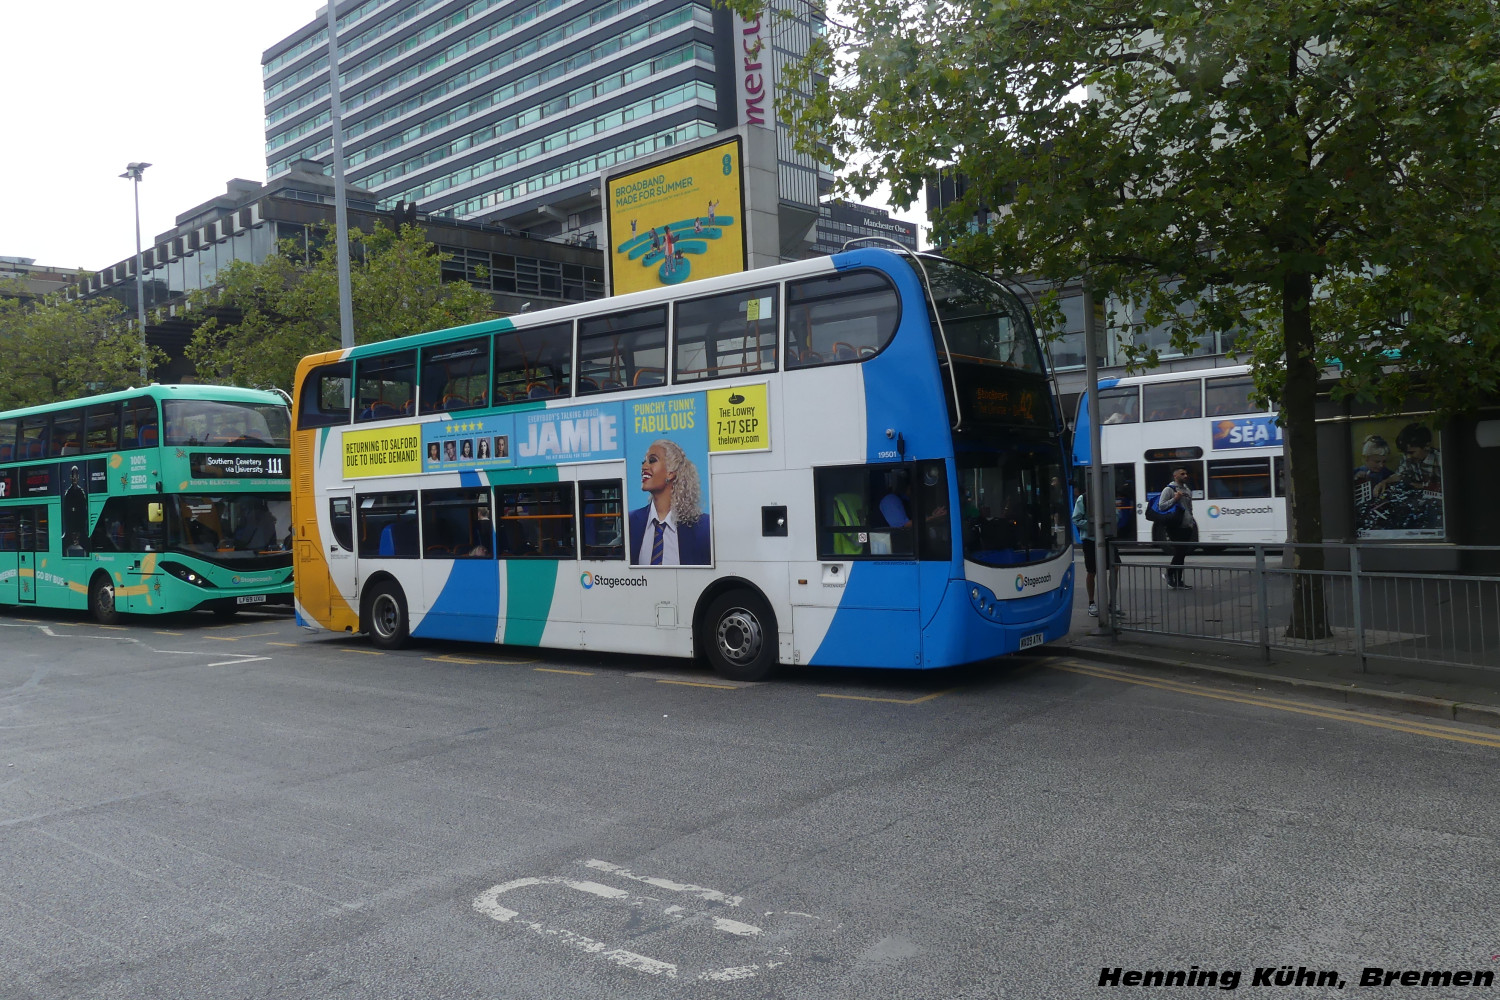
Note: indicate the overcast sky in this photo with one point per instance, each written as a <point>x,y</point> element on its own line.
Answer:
<point>97,84</point>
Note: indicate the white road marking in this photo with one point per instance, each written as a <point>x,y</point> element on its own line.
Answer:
<point>712,895</point>
<point>488,903</point>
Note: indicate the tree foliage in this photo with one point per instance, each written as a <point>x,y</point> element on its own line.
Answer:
<point>57,348</point>
<point>1319,179</point>
<point>288,306</point>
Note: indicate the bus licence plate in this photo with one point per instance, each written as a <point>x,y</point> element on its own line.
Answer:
<point>1034,639</point>
<point>261,599</point>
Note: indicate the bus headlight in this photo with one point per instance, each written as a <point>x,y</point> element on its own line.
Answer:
<point>187,575</point>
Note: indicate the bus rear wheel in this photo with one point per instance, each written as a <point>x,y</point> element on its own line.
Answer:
<point>102,600</point>
<point>741,643</point>
<point>386,615</point>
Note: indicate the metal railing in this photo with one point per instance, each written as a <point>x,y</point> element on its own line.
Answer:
<point>1415,603</point>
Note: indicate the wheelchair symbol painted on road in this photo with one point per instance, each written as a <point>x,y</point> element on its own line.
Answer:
<point>762,948</point>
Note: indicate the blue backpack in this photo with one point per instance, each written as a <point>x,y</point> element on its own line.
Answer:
<point>1170,518</point>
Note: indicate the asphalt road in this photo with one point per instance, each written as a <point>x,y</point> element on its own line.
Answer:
<point>195,810</point>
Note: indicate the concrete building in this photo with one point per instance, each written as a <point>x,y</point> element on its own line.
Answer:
<point>841,221</point>
<point>509,111</point>
<point>249,220</point>
<point>32,280</point>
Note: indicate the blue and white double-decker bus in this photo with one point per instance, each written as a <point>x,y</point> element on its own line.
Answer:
<point>850,461</point>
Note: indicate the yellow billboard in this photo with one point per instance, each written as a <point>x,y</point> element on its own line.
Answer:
<point>384,451</point>
<point>678,220</point>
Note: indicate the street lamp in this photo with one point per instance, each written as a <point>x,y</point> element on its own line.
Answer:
<point>133,172</point>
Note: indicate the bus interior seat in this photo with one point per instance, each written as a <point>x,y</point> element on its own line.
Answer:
<point>483,399</point>
<point>383,411</point>
<point>538,390</point>
<point>649,376</point>
<point>587,385</point>
<point>868,351</point>
<point>399,538</point>
<point>811,358</point>
<point>148,435</point>
<point>844,351</point>
<point>7,451</point>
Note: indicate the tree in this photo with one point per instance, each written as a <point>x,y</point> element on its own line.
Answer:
<point>57,348</point>
<point>288,304</point>
<point>1319,179</point>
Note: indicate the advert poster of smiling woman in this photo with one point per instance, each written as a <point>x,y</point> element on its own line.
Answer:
<point>667,484</point>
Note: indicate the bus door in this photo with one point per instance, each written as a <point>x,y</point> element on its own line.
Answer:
<point>32,536</point>
<point>9,557</point>
<point>323,574</point>
<point>863,596</point>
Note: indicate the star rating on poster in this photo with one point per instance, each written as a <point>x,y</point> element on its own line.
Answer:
<point>464,427</point>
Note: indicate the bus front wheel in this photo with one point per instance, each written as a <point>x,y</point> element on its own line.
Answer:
<point>386,614</point>
<point>102,600</point>
<point>742,640</point>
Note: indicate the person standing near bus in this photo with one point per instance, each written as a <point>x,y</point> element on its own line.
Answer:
<point>1085,525</point>
<point>671,529</point>
<point>1178,493</point>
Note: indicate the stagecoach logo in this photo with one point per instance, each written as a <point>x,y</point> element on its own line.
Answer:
<point>1217,511</point>
<point>1023,581</point>
<point>250,579</point>
<point>592,580</point>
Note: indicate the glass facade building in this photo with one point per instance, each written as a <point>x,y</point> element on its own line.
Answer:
<point>500,110</point>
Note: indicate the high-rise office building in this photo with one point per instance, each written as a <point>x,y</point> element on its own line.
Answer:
<point>509,111</point>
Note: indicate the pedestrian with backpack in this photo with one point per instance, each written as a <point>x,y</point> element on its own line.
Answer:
<point>1174,511</point>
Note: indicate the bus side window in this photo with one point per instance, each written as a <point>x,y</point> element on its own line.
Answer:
<point>726,335</point>
<point>841,317</point>
<point>455,376</point>
<point>620,350</point>
<point>603,520</point>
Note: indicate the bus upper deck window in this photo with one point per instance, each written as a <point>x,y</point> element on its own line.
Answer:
<point>840,317</point>
<point>324,397</point>
<point>1172,400</point>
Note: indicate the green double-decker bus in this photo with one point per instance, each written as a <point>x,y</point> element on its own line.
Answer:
<point>147,501</point>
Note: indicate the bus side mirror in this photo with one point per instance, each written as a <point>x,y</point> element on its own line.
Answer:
<point>154,513</point>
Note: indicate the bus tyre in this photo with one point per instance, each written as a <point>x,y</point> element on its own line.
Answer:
<point>224,614</point>
<point>386,615</point>
<point>102,600</point>
<point>742,641</point>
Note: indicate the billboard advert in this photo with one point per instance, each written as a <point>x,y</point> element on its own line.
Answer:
<point>678,220</point>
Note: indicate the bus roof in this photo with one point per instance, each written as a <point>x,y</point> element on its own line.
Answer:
<point>861,257</point>
<point>222,393</point>
<point>1174,376</point>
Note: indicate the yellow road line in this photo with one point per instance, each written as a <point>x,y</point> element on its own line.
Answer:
<point>257,635</point>
<point>281,644</point>
<point>891,701</point>
<point>222,638</point>
<point>1433,730</point>
<point>169,633</point>
<point>554,670</point>
<point>366,652</point>
<point>468,660</point>
<point>113,628</point>
<point>700,684</point>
